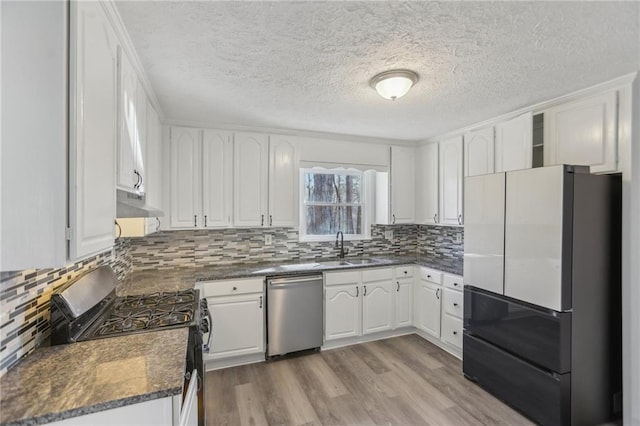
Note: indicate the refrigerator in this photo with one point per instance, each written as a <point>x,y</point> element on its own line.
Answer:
<point>542,308</point>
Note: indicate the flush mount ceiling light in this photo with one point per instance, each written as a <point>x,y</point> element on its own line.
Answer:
<point>394,84</point>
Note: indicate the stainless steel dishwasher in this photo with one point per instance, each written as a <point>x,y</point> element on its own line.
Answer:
<point>294,314</point>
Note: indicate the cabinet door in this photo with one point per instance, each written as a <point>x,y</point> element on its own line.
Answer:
<point>377,306</point>
<point>93,130</point>
<point>238,323</point>
<point>402,184</point>
<point>185,178</point>
<point>514,140</point>
<point>451,181</point>
<point>217,178</point>
<point>283,182</point>
<point>478,152</point>
<point>404,302</point>
<point>583,133</point>
<point>140,149</point>
<point>343,312</point>
<point>250,179</point>
<point>428,308</point>
<point>129,127</point>
<point>427,184</point>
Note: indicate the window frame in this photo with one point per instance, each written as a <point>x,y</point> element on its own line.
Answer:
<point>363,204</point>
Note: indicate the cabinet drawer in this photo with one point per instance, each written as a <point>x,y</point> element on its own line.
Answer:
<point>403,271</point>
<point>452,330</point>
<point>431,275</point>
<point>453,281</point>
<point>348,277</point>
<point>452,302</point>
<point>231,287</point>
<point>377,274</point>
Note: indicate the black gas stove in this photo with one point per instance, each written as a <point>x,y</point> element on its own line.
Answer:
<point>87,308</point>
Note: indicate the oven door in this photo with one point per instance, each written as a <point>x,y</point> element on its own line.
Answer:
<point>194,362</point>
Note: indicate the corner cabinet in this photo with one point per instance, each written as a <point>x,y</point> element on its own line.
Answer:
<point>402,185</point>
<point>450,181</point>
<point>283,181</point>
<point>250,190</point>
<point>583,132</point>
<point>93,133</point>
<point>427,184</point>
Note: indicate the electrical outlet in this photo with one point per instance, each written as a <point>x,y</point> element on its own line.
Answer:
<point>388,235</point>
<point>268,239</point>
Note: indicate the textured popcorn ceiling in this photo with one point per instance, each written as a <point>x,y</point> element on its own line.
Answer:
<point>307,65</point>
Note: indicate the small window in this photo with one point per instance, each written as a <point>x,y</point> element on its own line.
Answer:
<point>332,201</point>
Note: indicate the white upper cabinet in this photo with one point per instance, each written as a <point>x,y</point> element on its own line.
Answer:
<point>185,178</point>
<point>451,181</point>
<point>583,132</point>
<point>402,184</point>
<point>217,177</point>
<point>478,152</point>
<point>283,181</point>
<point>129,126</point>
<point>514,144</point>
<point>34,94</point>
<point>141,146</point>
<point>92,130</point>
<point>427,184</point>
<point>251,187</point>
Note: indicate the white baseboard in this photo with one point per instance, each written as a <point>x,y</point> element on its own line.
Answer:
<point>333,344</point>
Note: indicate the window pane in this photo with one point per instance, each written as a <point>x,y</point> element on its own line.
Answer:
<point>330,188</point>
<point>328,220</point>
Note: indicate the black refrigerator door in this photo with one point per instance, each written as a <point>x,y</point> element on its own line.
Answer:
<point>540,395</point>
<point>540,336</point>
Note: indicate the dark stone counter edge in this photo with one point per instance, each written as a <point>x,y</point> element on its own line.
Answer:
<point>229,272</point>
<point>90,409</point>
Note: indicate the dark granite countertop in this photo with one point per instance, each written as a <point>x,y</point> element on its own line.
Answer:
<point>173,279</point>
<point>59,382</point>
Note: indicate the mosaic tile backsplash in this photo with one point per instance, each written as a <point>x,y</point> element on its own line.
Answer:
<point>228,246</point>
<point>25,295</point>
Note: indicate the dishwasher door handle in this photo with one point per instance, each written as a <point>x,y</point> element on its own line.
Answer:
<point>292,282</point>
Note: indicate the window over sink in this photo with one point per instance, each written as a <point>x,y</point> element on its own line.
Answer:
<point>333,200</point>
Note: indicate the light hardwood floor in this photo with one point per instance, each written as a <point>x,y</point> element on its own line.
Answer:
<point>401,381</point>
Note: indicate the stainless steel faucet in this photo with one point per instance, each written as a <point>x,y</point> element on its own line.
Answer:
<point>340,235</point>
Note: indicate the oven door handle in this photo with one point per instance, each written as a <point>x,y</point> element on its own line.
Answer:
<point>207,346</point>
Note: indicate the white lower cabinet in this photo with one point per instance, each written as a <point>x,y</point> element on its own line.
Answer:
<point>452,310</point>
<point>427,299</point>
<point>237,309</point>
<point>403,288</point>
<point>359,303</point>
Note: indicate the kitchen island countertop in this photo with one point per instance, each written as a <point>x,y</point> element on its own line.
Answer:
<point>60,382</point>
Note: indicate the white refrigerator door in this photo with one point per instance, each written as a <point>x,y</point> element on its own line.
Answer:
<point>533,236</point>
<point>484,231</point>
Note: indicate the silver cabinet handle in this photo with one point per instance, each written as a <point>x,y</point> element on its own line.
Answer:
<point>435,218</point>
<point>357,291</point>
<point>394,219</point>
<point>260,302</point>
<point>459,219</point>
<point>205,220</point>
<point>365,290</point>
<point>195,220</point>
<point>262,220</point>
<point>398,288</point>
<point>138,179</point>
<point>158,226</point>
<point>438,293</point>
<point>270,220</point>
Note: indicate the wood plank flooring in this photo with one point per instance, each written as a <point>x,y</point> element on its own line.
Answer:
<point>399,381</point>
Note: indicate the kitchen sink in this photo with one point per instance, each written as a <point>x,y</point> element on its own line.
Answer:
<point>362,261</point>
<point>336,263</point>
<point>300,266</point>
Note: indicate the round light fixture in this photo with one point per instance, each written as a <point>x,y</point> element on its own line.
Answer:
<point>394,84</point>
